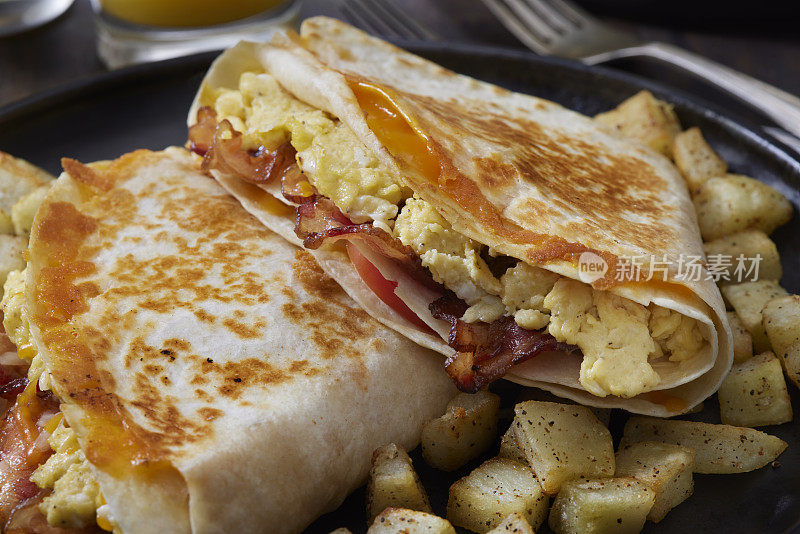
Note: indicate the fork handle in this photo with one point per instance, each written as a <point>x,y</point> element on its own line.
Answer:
<point>780,106</point>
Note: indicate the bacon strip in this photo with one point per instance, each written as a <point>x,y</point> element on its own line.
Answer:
<point>201,133</point>
<point>486,351</point>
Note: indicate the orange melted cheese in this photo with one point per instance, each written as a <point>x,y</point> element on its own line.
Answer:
<point>113,442</point>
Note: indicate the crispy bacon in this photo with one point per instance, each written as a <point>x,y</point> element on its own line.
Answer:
<point>486,351</point>
<point>225,153</point>
<point>295,187</point>
<point>201,133</point>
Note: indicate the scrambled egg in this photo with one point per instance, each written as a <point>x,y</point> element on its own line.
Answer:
<point>328,152</point>
<point>75,496</point>
<point>618,337</point>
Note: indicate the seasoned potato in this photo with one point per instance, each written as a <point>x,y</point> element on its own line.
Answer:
<point>394,483</point>
<point>509,447</point>
<point>748,299</point>
<point>695,159</point>
<point>791,363</point>
<point>742,340</point>
<point>481,500</point>
<point>754,393</point>
<point>719,449</point>
<point>513,524</point>
<point>601,505</point>
<point>749,244</point>
<point>468,428</point>
<point>11,249</point>
<point>25,209</point>
<point>400,521</point>
<point>781,319</point>
<point>562,442</point>
<point>646,119</point>
<point>732,203</point>
<point>664,468</point>
<point>17,179</point>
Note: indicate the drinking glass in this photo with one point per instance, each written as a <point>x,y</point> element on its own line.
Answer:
<point>139,31</point>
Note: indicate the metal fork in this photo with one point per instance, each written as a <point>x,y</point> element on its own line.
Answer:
<point>559,28</point>
<point>384,18</point>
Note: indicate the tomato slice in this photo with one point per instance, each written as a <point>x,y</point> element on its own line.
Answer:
<point>383,288</point>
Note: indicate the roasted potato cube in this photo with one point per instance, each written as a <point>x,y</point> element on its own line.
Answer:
<point>732,203</point>
<point>748,299</point>
<point>481,500</point>
<point>791,363</point>
<point>664,468</point>
<point>742,340</point>
<point>725,251</point>
<point>17,179</point>
<point>25,209</point>
<point>781,318</point>
<point>400,521</point>
<point>601,505</point>
<point>562,442</point>
<point>695,159</point>
<point>646,119</point>
<point>719,449</point>
<point>394,483</point>
<point>754,393</point>
<point>509,447</point>
<point>467,429</point>
<point>11,249</point>
<point>513,524</point>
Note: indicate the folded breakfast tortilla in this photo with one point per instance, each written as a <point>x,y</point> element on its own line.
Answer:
<point>469,218</point>
<point>210,377</point>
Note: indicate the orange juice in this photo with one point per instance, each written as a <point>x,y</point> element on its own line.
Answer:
<point>186,12</point>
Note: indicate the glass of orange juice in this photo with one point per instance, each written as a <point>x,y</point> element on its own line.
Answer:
<point>139,31</point>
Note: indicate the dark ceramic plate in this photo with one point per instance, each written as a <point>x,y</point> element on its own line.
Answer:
<point>145,107</point>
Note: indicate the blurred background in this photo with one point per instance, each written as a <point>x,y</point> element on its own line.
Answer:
<point>758,38</point>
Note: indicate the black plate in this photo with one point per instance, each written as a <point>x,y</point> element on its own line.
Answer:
<point>145,107</point>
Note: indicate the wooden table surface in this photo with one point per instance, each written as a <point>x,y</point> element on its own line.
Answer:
<point>64,50</point>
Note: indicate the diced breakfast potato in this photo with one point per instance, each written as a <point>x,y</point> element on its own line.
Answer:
<point>467,429</point>
<point>781,319</point>
<point>17,179</point>
<point>742,340</point>
<point>513,524</point>
<point>646,119</point>
<point>25,209</point>
<point>398,520</point>
<point>724,251</point>
<point>748,299</point>
<point>600,506</point>
<point>695,159</point>
<point>562,442</point>
<point>754,393</point>
<point>509,447</point>
<point>603,414</point>
<point>481,500</point>
<point>11,250</point>
<point>791,363</point>
<point>664,468</point>
<point>719,449</point>
<point>394,483</point>
<point>732,203</point>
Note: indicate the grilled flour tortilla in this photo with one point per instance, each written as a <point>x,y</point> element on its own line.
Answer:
<point>459,213</point>
<point>217,380</point>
